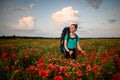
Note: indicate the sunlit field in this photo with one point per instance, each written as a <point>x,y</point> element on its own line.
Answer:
<point>41,59</point>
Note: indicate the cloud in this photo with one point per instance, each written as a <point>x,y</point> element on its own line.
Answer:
<point>17,9</point>
<point>65,16</point>
<point>95,3</point>
<point>25,23</point>
<point>112,21</point>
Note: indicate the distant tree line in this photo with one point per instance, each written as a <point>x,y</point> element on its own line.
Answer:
<point>31,37</point>
<point>25,37</point>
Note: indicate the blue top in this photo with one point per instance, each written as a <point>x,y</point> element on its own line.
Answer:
<point>71,44</point>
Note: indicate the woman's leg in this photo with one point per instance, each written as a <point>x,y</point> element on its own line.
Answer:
<point>74,54</point>
<point>67,55</point>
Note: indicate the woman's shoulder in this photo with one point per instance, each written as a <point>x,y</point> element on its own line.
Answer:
<point>66,34</point>
<point>76,35</point>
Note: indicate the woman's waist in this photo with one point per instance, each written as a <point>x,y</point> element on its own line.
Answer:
<point>72,48</point>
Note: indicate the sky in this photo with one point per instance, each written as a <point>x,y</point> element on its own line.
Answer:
<point>47,18</point>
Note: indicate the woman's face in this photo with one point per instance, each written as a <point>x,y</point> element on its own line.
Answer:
<point>72,28</point>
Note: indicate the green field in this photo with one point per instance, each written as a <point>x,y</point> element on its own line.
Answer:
<point>41,59</point>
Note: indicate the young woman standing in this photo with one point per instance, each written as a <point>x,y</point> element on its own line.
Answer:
<point>72,43</point>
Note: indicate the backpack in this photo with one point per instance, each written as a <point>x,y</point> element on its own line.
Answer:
<point>65,31</point>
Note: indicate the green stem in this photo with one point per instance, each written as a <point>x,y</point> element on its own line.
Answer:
<point>12,77</point>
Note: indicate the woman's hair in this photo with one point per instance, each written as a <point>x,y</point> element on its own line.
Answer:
<point>76,26</point>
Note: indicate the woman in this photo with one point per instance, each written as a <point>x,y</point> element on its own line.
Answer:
<point>72,43</point>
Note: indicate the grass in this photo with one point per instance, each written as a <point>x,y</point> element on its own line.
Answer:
<point>96,64</point>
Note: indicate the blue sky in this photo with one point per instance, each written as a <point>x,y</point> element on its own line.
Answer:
<point>47,18</point>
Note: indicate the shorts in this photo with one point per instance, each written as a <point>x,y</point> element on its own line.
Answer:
<point>73,55</point>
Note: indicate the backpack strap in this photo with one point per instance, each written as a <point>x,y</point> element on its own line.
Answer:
<point>75,37</point>
<point>68,37</point>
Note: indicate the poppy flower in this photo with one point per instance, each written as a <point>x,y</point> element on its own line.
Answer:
<point>61,69</point>
<point>31,68</point>
<point>26,56</point>
<point>95,68</point>
<point>41,60</point>
<point>58,78</point>
<point>4,54</point>
<point>44,73</point>
<point>117,62</point>
<point>88,68</point>
<point>6,68</point>
<point>12,67</point>
<point>50,66</point>
<point>17,71</point>
<point>13,55</point>
<point>116,76</point>
<point>67,74</point>
<point>84,54</point>
<point>40,65</point>
<point>79,73</point>
<point>91,58</point>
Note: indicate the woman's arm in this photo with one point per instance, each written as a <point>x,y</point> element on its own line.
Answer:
<point>65,45</point>
<point>78,46</point>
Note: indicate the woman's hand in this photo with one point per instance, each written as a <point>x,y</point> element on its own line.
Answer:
<point>70,52</point>
<point>82,51</point>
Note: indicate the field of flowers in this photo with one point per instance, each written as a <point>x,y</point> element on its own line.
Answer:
<point>40,59</point>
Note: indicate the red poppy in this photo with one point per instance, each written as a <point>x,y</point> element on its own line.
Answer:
<point>13,55</point>
<point>31,68</point>
<point>12,67</point>
<point>50,66</point>
<point>17,71</point>
<point>116,76</point>
<point>104,57</point>
<point>109,73</point>
<point>117,62</point>
<point>6,68</point>
<point>65,68</point>
<point>63,60</point>
<point>84,54</point>
<point>44,73</point>
<point>40,65</point>
<point>41,60</point>
<point>67,74</point>
<point>4,54</point>
<point>77,65</point>
<point>27,57</point>
<point>48,53</point>
<point>83,64</point>
<point>61,69</point>
<point>91,58</point>
<point>56,68</point>
<point>88,68</point>
<point>52,59</point>
<point>95,68</point>
<point>58,78</point>
<point>35,70</point>
<point>79,73</point>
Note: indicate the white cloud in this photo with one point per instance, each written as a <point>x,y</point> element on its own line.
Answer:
<point>25,23</point>
<point>65,16</point>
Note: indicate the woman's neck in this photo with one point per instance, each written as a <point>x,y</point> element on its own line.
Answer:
<point>72,33</point>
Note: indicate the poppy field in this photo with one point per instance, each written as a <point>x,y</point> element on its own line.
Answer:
<point>41,59</point>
